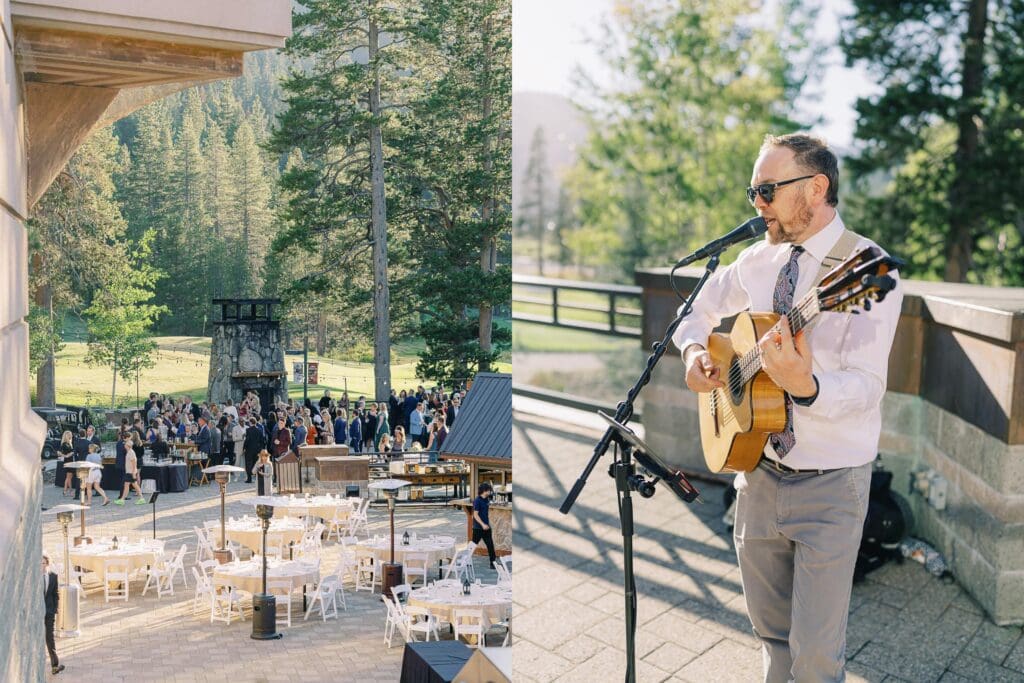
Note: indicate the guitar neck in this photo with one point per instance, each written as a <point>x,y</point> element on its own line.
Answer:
<point>800,316</point>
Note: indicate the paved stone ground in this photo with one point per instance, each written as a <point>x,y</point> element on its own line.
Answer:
<point>905,625</point>
<point>147,639</point>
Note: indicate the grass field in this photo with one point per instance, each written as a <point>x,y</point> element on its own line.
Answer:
<point>182,367</point>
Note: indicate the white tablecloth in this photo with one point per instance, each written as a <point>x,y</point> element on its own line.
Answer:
<point>441,599</point>
<point>248,576</point>
<point>249,532</point>
<point>138,555</point>
<point>324,507</point>
<point>435,550</point>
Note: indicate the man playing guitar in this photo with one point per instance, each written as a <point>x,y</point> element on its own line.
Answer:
<point>800,511</point>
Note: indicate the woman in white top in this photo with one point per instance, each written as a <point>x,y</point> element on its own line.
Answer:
<point>93,482</point>
<point>238,440</point>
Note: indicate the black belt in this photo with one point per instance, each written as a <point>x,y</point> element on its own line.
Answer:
<point>779,467</point>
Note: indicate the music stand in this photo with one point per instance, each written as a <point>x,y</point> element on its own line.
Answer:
<point>673,477</point>
<point>152,501</point>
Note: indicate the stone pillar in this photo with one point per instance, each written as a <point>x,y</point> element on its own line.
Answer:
<point>21,432</point>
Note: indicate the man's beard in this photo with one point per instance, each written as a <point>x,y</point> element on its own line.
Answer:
<point>781,233</point>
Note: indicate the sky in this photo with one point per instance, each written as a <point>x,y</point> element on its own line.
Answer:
<point>549,42</point>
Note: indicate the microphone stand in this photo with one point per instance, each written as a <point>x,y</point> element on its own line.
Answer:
<point>624,471</point>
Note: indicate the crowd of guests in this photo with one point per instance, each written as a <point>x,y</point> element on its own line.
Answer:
<point>252,436</point>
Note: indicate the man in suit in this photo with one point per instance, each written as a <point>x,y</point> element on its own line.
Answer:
<point>454,406</point>
<point>51,598</point>
<point>253,443</point>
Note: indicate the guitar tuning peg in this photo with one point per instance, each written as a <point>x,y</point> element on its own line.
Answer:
<point>855,312</point>
<point>867,304</point>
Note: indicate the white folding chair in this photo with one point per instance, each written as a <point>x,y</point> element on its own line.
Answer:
<point>204,591</point>
<point>115,571</point>
<point>397,619</point>
<point>323,595</point>
<point>177,564</point>
<point>347,566</point>
<point>401,592</point>
<point>225,602</point>
<point>367,570</point>
<point>416,565</point>
<point>503,574</point>
<point>159,574</point>
<point>359,517</point>
<point>469,622</point>
<point>461,565</point>
<point>283,590</point>
<point>338,523</point>
<point>421,620</point>
<point>204,549</point>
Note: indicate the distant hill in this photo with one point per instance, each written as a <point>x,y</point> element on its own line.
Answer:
<point>564,129</point>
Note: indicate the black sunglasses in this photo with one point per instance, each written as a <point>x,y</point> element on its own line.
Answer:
<point>767,190</point>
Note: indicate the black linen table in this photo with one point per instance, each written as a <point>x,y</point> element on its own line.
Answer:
<point>436,662</point>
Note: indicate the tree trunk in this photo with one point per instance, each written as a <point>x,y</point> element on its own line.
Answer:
<point>963,216</point>
<point>113,388</point>
<point>46,375</point>
<point>489,248</point>
<point>379,228</point>
<point>321,333</point>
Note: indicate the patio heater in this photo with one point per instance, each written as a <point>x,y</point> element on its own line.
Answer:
<point>70,593</point>
<point>264,605</point>
<point>222,473</point>
<point>392,571</point>
<point>83,487</point>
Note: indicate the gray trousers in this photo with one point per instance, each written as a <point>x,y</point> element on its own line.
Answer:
<point>796,540</point>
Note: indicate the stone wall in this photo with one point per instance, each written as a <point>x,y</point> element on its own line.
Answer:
<point>245,348</point>
<point>955,405</point>
<point>21,432</point>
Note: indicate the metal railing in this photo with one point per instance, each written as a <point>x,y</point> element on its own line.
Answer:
<point>572,304</point>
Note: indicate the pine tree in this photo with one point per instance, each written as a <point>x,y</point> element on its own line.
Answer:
<point>76,238</point>
<point>533,207</point>
<point>251,218</point>
<point>943,137</point>
<point>461,145</point>
<point>669,152</point>
<point>342,114</point>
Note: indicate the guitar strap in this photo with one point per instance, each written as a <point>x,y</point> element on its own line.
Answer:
<point>840,252</point>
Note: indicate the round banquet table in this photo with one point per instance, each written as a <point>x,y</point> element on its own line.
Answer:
<point>435,550</point>
<point>248,576</point>
<point>249,532</point>
<point>445,596</point>
<point>324,507</point>
<point>138,555</point>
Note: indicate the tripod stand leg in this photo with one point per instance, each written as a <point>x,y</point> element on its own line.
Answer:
<point>623,471</point>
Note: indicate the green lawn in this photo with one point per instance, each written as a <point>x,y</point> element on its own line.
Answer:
<point>536,337</point>
<point>182,367</point>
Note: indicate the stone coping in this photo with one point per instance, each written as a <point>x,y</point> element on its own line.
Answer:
<point>993,312</point>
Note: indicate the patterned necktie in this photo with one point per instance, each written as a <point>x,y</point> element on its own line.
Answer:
<point>782,301</point>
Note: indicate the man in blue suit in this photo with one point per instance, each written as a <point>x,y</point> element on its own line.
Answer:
<point>355,433</point>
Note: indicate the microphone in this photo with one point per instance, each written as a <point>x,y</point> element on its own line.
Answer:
<point>755,227</point>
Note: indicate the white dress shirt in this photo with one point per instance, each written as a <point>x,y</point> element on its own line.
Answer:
<point>851,352</point>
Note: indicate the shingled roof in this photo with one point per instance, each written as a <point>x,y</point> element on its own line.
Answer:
<point>483,430</point>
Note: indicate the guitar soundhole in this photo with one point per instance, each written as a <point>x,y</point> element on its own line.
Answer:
<point>735,382</point>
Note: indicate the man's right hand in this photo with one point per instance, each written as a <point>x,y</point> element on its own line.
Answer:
<point>701,373</point>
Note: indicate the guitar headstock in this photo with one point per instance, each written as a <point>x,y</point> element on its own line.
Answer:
<point>858,281</point>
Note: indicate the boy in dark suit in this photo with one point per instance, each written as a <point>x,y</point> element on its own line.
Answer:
<point>51,598</point>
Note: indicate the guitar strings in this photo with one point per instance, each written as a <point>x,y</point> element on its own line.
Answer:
<point>752,361</point>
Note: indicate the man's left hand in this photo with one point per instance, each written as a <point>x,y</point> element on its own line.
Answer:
<point>787,360</point>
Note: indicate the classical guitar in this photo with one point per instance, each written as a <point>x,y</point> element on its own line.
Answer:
<point>735,421</point>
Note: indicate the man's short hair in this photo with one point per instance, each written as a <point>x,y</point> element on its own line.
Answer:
<point>483,487</point>
<point>811,153</point>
